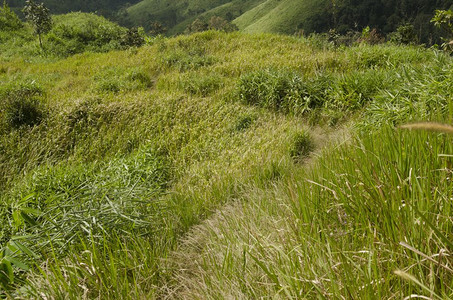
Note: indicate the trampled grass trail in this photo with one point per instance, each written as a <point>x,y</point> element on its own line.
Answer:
<point>217,259</point>
<point>211,166</point>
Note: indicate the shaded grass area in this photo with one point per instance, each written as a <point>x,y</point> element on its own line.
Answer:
<point>133,148</point>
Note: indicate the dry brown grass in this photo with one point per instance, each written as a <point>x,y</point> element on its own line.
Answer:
<point>429,126</point>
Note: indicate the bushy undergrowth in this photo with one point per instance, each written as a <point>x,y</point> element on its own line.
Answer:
<point>80,32</point>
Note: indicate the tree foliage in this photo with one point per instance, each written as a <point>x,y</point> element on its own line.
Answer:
<point>387,15</point>
<point>39,17</point>
<point>215,23</point>
<point>8,19</point>
<point>103,7</point>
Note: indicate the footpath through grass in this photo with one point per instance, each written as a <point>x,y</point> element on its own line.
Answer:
<point>107,161</point>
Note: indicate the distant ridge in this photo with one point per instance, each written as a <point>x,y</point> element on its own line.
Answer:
<point>278,16</point>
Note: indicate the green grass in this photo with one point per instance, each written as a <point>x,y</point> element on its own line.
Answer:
<point>373,206</point>
<point>205,151</point>
<point>281,16</point>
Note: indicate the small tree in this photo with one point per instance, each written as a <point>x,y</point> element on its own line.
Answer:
<point>404,34</point>
<point>219,23</point>
<point>197,26</point>
<point>39,16</point>
<point>134,37</point>
<point>156,28</point>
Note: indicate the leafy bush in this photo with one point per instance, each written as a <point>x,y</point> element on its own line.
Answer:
<point>134,37</point>
<point>21,106</point>
<point>404,34</point>
<point>80,32</point>
<point>283,91</point>
<point>371,36</point>
<point>8,19</point>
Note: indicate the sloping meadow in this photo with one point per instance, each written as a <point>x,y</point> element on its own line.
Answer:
<point>107,160</point>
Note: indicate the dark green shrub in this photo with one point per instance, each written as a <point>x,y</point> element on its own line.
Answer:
<point>21,106</point>
<point>243,122</point>
<point>80,32</point>
<point>8,19</point>
<point>301,146</point>
<point>220,24</point>
<point>134,37</point>
<point>404,34</point>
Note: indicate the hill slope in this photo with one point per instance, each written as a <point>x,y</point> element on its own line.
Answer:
<point>110,184</point>
<point>287,16</point>
<point>250,16</point>
<point>283,17</point>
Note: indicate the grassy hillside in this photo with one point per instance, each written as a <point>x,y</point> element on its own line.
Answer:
<point>283,17</point>
<point>290,16</point>
<point>225,166</point>
<point>250,16</point>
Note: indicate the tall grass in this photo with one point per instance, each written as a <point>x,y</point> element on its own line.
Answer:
<point>137,147</point>
<point>371,219</point>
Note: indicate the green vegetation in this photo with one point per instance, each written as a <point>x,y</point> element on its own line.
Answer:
<point>66,35</point>
<point>221,165</point>
<point>8,19</point>
<point>108,8</point>
<point>290,16</point>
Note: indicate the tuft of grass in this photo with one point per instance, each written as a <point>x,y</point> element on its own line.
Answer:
<point>282,91</point>
<point>21,105</point>
<point>301,146</point>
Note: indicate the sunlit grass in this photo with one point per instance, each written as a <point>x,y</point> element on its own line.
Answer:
<point>136,148</point>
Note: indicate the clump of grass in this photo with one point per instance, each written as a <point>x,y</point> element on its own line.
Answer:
<point>354,90</point>
<point>201,85</point>
<point>283,90</point>
<point>244,122</point>
<point>21,105</point>
<point>186,60</point>
<point>301,146</point>
<point>114,80</point>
